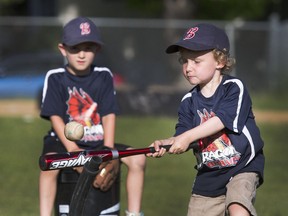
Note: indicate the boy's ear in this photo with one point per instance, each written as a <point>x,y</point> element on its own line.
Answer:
<point>62,49</point>
<point>220,65</point>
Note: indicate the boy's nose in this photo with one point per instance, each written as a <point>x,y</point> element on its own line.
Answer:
<point>81,54</point>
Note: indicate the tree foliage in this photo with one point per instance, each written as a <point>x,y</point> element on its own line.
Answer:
<point>231,9</point>
<point>12,7</point>
<point>191,9</point>
<point>9,2</point>
<point>146,7</point>
<point>210,9</point>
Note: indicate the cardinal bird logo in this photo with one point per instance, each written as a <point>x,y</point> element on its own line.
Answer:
<point>82,108</point>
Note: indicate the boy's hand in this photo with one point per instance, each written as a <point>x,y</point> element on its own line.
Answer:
<point>180,144</point>
<point>108,174</point>
<point>159,152</point>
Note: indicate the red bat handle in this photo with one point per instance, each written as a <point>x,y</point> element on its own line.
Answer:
<point>75,159</point>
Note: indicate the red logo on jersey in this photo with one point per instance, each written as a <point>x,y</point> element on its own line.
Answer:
<point>85,28</point>
<point>218,150</point>
<point>83,109</point>
<point>191,33</point>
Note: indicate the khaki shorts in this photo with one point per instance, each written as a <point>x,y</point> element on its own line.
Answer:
<point>241,189</point>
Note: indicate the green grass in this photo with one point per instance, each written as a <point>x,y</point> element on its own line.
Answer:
<point>168,179</point>
<point>270,101</point>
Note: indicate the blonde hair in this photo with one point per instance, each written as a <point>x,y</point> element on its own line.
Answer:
<point>224,58</point>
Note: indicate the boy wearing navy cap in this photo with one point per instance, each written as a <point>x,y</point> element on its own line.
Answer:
<point>83,92</point>
<point>217,113</point>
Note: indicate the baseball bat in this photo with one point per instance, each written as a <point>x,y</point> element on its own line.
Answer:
<point>79,158</point>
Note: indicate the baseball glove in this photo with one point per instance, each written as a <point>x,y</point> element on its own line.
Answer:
<point>108,174</point>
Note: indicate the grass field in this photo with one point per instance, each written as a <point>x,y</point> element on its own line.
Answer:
<point>168,180</point>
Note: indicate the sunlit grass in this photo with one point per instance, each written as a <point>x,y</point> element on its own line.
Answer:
<point>168,179</point>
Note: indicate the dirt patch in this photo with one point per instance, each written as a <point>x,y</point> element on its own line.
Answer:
<point>29,108</point>
<point>18,108</point>
<point>271,116</point>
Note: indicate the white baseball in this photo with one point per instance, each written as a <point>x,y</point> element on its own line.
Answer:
<point>74,131</point>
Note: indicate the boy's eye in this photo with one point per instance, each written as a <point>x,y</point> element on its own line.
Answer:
<point>73,49</point>
<point>88,48</point>
<point>182,60</point>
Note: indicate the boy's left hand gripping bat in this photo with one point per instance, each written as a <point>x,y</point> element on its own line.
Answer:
<point>75,159</point>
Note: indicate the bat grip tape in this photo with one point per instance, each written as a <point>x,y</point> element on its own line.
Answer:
<point>115,154</point>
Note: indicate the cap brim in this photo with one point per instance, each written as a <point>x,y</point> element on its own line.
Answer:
<point>190,46</point>
<point>82,40</point>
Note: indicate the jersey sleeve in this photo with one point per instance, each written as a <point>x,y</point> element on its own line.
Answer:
<point>235,107</point>
<point>185,115</point>
<point>52,102</point>
<point>108,101</point>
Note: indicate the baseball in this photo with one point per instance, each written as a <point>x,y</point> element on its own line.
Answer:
<point>74,131</point>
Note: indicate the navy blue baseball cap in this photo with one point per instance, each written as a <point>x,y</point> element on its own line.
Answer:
<point>80,30</point>
<point>202,37</point>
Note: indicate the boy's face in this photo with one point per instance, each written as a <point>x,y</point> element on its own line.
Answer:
<point>79,57</point>
<point>199,67</point>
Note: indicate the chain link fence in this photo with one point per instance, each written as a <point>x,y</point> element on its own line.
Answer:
<point>135,51</point>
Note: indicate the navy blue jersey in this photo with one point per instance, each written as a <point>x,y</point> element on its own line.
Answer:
<point>238,148</point>
<point>85,99</point>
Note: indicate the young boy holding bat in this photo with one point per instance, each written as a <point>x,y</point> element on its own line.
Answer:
<point>83,92</point>
<point>217,113</point>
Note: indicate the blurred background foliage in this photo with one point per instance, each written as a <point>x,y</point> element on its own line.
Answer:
<point>197,9</point>
<point>258,37</point>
